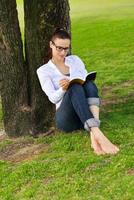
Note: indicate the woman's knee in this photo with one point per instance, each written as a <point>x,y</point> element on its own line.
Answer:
<point>90,85</point>
<point>91,89</point>
<point>75,87</point>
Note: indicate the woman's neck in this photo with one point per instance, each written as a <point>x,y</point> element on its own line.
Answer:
<point>57,61</point>
<point>64,69</point>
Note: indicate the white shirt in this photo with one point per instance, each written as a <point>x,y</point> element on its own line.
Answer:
<point>49,77</point>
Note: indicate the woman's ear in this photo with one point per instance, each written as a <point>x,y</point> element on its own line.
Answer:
<point>50,44</point>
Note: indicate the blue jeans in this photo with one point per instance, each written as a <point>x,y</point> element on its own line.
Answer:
<point>74,112</point>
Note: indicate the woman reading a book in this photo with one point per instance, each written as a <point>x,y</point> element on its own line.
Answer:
<point>77,105</point>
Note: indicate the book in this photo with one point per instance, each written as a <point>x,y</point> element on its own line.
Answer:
<point>81,78</point>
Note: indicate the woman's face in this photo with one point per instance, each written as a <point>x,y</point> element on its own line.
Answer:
<point>60,48</point>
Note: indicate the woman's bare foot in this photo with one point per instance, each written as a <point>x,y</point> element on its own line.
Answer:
<point>105,145</point>
<point>95,145</point>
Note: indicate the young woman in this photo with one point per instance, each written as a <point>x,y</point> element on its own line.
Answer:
<point>77,106</point>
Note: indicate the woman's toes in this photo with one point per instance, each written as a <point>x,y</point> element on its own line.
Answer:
<point>96,147</point>
<point>99,152</point>
<point>117,148</point>
<point>110,150</point>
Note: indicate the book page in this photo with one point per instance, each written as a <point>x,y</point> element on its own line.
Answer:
<point>77,80</point>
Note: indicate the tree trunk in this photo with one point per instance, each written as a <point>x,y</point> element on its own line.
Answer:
<point>41,17</point>
<point>12,71</point>
<point>25,106</point>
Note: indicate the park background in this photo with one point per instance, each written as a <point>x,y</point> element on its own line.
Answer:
<point>64,166</point>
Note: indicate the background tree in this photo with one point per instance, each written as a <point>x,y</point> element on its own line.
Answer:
<point>25,107</point>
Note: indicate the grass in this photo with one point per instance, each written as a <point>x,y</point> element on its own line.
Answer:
<point>67,169</point>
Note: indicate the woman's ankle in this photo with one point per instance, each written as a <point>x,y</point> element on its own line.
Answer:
<point>94,129</point>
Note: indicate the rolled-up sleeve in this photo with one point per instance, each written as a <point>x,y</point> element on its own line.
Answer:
<point>47,86</point>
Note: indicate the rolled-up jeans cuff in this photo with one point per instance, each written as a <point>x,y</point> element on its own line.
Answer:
<point>94,101</point>
<point>91,123</point>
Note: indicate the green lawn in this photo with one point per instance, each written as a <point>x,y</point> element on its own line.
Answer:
<point>63,167</point>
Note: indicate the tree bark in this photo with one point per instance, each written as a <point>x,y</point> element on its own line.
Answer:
<point>25,107</point>
<point>12,71</point>
<point>41,18</point>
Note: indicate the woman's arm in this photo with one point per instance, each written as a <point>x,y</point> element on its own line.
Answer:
<point>47,86</point>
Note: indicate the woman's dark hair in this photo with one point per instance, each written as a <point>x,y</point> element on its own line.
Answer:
<point>58,33</point>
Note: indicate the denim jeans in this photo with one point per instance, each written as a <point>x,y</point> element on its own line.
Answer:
<point>74,112</point>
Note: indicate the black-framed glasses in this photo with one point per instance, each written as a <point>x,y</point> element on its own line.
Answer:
<point>60,49</point>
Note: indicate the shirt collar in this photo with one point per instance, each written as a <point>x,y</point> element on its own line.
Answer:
<point>66,62</point>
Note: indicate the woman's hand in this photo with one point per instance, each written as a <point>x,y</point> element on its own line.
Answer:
<point>64,83</point>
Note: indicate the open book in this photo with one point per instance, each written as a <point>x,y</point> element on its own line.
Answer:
<point>82,78</point>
